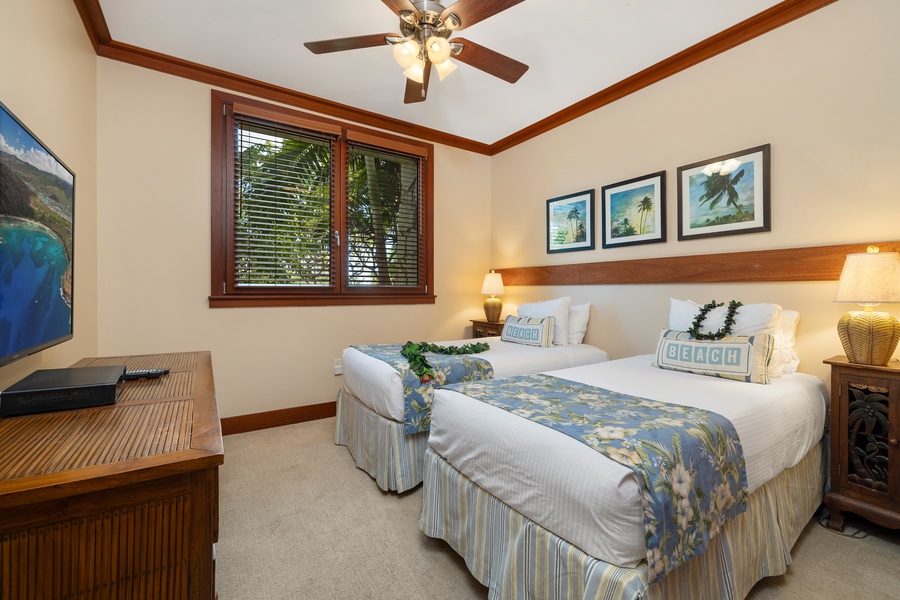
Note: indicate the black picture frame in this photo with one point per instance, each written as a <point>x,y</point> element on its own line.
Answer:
<point>570,222</point>
<point>642,198</point>
<point>716,199</point>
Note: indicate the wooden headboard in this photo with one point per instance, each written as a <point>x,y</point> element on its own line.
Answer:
<point>815,263</point>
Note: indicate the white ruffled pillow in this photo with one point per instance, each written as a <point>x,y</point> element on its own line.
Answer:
<point>789,321</point>
<point>579,315</point>
<point>558,308</point>
<point>750,319</point>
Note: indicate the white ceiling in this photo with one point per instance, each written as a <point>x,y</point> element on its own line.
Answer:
<point>574,49</point>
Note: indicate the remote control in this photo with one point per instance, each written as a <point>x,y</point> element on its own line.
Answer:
<point>144,374</point>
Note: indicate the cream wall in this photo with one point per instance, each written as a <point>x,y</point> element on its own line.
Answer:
<point>823,91</point>
<point>154,255</point>
<point>48,81</point>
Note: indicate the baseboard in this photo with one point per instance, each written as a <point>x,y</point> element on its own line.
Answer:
<point>277,418</point>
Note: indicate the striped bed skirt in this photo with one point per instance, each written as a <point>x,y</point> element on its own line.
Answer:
<point>378,445</point>
<point>517,558</point>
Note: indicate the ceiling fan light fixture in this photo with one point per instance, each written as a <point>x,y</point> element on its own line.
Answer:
<point>452,22</point>
<point>438,49</point>
<point>445,68</point>
<point>416,71</point>
<point>405,53</point>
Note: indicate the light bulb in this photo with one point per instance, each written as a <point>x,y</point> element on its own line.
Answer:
<point>405,53</point>
<point>416,71</point>
<point>438,49</point>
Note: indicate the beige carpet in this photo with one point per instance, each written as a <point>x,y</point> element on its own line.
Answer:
<point>298,521</point>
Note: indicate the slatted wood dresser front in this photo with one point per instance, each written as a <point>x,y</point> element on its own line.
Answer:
<point>117,501</point>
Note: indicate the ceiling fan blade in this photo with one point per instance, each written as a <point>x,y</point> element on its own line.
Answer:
<point>489,61</point>
<point>470,12</point>
<point>349,43</point>
<point>398,5</point>
<point>416,92</point>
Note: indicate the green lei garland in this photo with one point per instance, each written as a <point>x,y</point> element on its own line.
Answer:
<point>701,316</point>
<point>420,366</point>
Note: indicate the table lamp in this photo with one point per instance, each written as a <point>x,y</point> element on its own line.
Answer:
<point>869,278</point>
<point>493,285</point>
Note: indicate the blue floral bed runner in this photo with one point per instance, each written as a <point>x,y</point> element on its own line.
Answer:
<point>417,395</point>
<point>689,461</point>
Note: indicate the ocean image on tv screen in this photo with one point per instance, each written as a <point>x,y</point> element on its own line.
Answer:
<point>36,242</point>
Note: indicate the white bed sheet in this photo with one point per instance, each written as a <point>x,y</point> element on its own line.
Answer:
<point>590,500</point>
<point>379,386</point>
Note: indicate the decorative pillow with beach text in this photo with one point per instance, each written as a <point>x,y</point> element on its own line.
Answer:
<point>741,358</point>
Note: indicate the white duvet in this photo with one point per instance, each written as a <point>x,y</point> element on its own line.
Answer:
<point>590,500</point>
<point>378,385</point>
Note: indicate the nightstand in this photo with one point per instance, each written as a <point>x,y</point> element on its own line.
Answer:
<point>482,328</point>
<point>865,457</point>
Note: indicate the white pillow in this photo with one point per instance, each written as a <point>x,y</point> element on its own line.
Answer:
<point>750,319</point>
<point>558,308</point>
<point>789,321</point>
<point>579,315</point>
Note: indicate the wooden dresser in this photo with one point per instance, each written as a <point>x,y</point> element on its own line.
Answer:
<point>117,501</point>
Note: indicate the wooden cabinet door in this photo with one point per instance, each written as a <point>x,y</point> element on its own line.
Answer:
<point>866,459</point>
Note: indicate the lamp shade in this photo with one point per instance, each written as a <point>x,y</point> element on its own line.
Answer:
<point>438,49</point>
<point>870,278</point>
<point>493,284</point>
<point>405,52</point>
<point>445,68</point>
<point>416,70</point>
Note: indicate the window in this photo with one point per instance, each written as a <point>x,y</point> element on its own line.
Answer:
<point>309,211</point>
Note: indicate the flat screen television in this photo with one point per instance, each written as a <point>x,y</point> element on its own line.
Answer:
<point>37,218</point>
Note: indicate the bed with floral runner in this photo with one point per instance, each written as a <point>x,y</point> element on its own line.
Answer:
<point>625,479</point>
<point>582,483</point>
<point>384,406</point>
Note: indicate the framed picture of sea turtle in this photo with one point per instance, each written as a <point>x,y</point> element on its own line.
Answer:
<point>570,222</point>
<point>726,195</point>
<point>634,211</point>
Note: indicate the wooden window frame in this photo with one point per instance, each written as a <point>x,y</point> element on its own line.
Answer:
<point>223,292</point>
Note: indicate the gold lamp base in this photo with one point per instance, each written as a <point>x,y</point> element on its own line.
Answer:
<point>868,337</point>
<point>492,309</point>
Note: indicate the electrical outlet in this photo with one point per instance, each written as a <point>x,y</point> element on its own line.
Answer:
<point>338,366</point>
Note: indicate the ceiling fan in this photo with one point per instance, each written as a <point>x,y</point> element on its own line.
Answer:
<point>425,29</point>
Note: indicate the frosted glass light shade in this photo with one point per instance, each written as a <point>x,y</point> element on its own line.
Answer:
<point>445,68</point>
<point>416,71</point>
<point>869,278</point>
<point>438,49</point>
<point>405,53</point>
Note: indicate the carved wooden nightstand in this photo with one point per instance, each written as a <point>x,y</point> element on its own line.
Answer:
<point>865,428</point>
<point>482,328</point>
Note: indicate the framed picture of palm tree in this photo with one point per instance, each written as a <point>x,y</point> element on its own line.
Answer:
<point>726,195</point>
<point>570,222</point>
<point>634,211</point>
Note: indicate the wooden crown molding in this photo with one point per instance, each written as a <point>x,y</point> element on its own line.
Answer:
<point>772,18</point>
<point>814,263</point>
